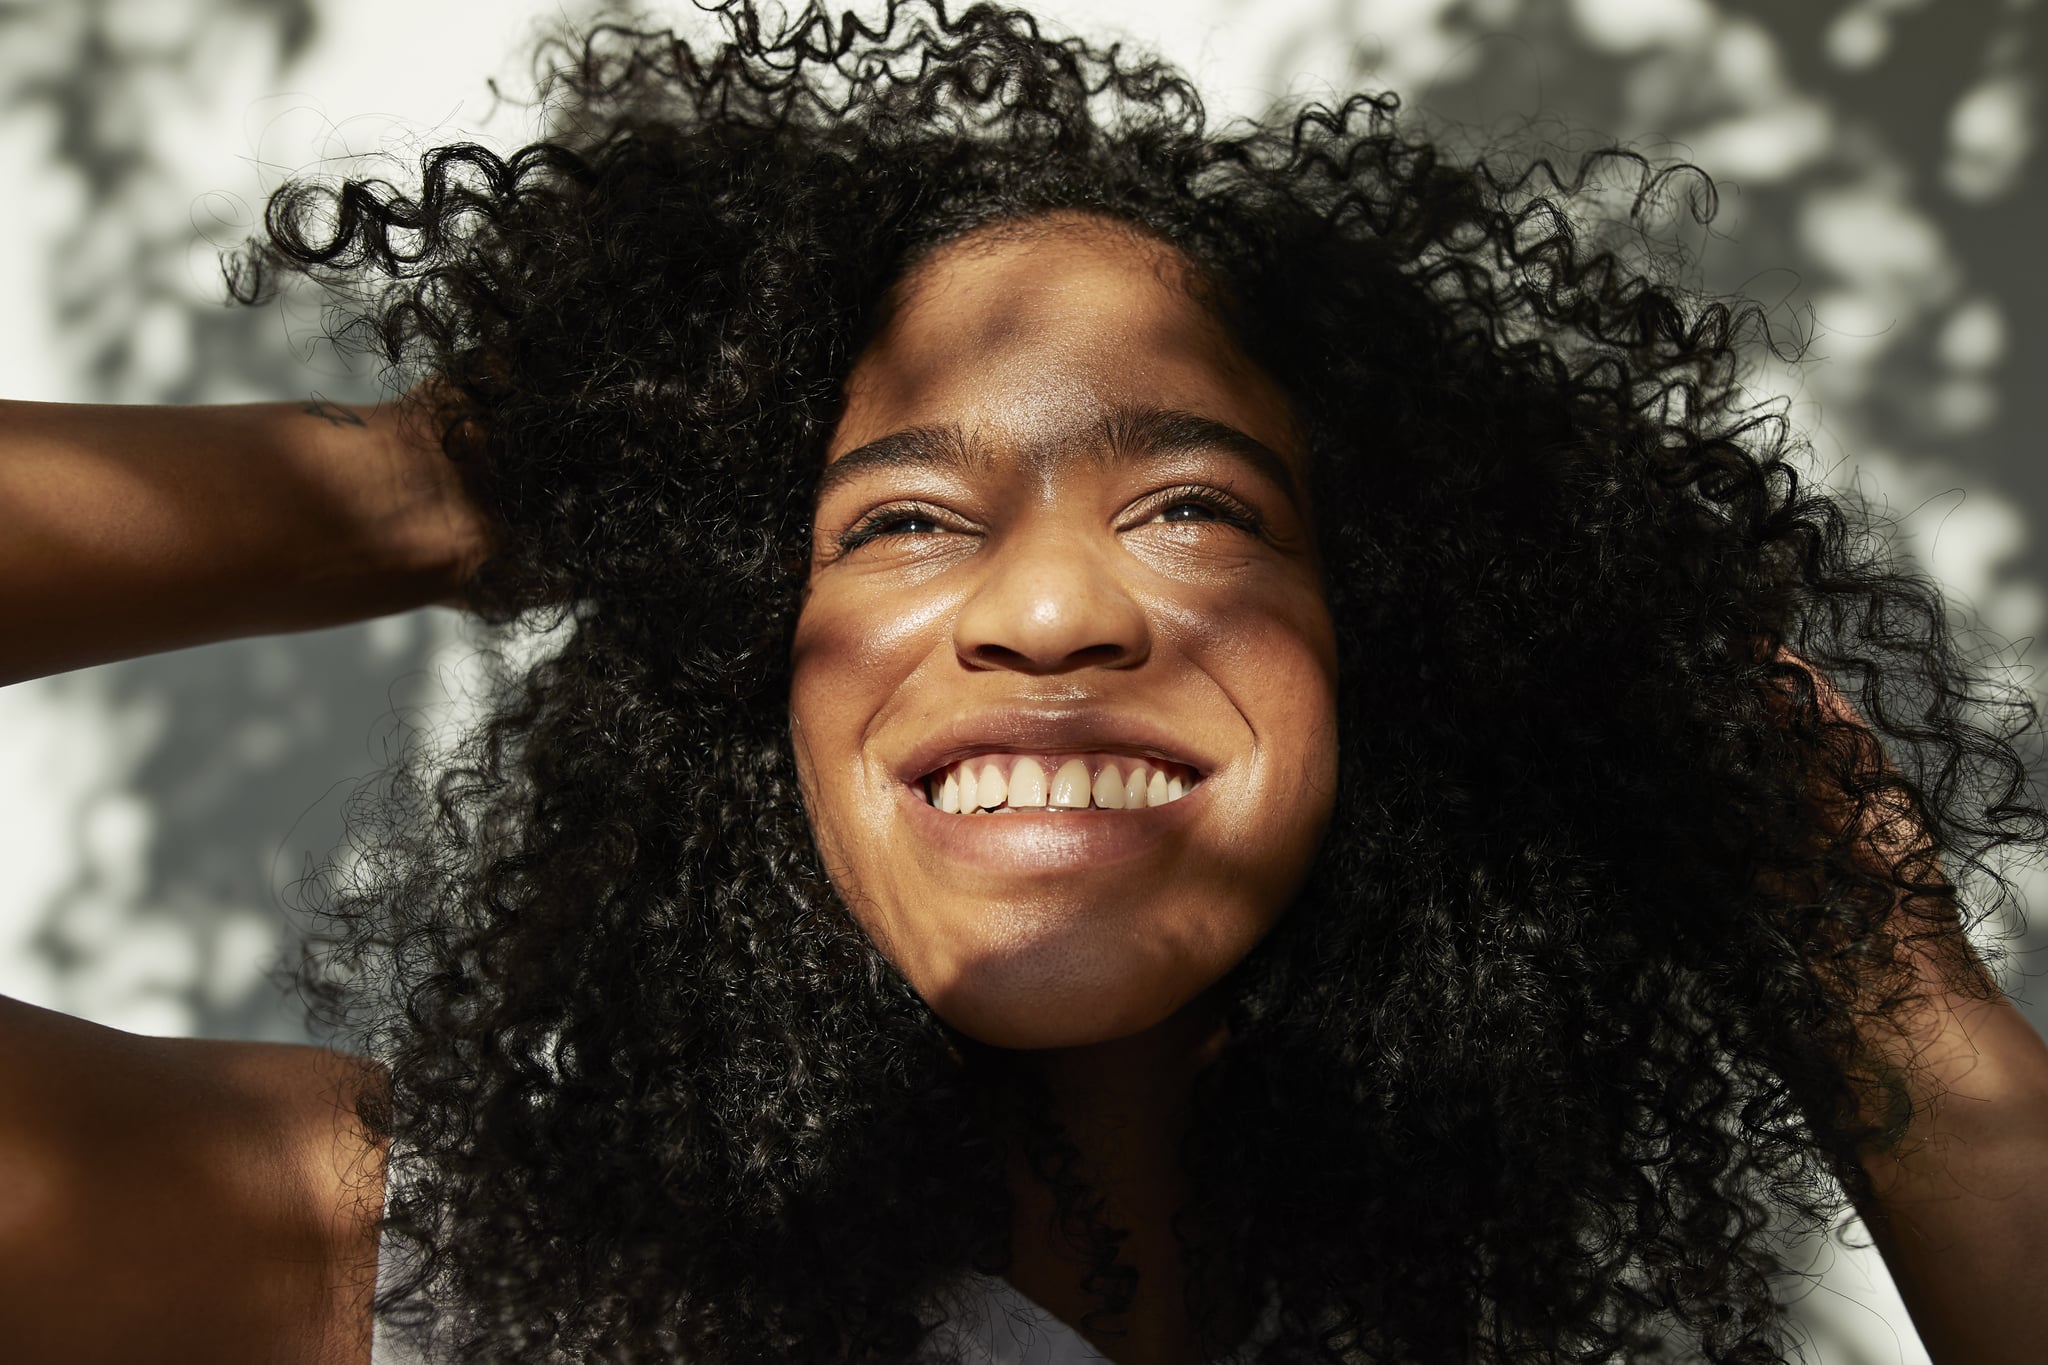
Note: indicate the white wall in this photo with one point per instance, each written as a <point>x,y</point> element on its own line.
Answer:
<point>156,812</point>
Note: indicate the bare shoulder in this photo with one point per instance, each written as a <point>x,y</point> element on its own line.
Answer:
<point>180,1199</point>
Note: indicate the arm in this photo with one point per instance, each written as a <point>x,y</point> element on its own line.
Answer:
<point>136,529</point>
<point>175,1199</point>
<point>1962,1206</point>
<point>1962,1216</point>
<point>180,1199</point>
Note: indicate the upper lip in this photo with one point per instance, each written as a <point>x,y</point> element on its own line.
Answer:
<point>1066,728</point>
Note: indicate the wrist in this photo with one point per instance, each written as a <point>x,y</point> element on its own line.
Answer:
<point>413,534</point>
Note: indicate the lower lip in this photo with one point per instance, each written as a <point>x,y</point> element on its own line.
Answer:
<point>1034,841</point>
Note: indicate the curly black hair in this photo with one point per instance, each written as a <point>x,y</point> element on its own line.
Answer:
<point>1584,992</point>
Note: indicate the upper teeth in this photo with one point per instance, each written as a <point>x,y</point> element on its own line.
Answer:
<point>1012,781</point>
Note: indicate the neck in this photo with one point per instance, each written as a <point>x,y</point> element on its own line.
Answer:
<point>1124,1104</point>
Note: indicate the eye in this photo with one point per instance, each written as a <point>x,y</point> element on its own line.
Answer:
<point>900,524</point>
<point>885,522</point>
<point>1196,504</point>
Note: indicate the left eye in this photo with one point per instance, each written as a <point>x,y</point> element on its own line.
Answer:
<point>903,524</point>
<point>1197,507</point>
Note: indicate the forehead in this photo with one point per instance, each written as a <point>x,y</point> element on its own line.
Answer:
<point>1028,336</point>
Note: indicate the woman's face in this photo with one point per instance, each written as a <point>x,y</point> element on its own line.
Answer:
<point>1064,692</point>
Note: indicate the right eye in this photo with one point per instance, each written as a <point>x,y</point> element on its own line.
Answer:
<point>890,521</point>
<point>901,524</point>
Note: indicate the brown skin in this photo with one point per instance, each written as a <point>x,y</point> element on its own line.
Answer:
<point>1962,1213</point>
<point>1962,1207</point>
<point>137,529</point>
<point>176,1200</point>
<point>1065,597</point>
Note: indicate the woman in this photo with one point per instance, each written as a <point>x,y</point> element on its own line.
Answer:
<point>1228,734</point>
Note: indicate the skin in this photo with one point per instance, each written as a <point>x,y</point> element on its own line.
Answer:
<point>171,1199</point>
<point>1052,590</point>
<point>179,1199</point>
<point>129,528</point>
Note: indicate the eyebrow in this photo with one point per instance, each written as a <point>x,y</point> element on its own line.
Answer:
<point>1124,433</point>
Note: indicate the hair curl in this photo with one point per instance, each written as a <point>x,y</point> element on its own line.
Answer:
<point>1582,987</point>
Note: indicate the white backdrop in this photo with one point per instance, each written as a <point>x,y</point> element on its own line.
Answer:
<point>1882,180</point>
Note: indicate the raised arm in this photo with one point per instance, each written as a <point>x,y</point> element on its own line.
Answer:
<point>1961,1212</point>
<point>178,1199</point>
<point>175,1199</point>
<point>1964,1206</point>
<point>130,530</point>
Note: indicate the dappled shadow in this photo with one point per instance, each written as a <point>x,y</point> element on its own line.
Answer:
<point>99,75</point>
<point>1880,176</point>
<point>174,914</point>
<point>225,766</point>
<point>1880,169</point>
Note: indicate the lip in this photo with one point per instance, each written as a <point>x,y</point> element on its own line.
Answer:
<point>1044,842</point>
<point>1049,729</point>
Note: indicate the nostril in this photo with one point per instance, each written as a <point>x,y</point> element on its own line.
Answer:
<point>1104,655</point>
<point>996,656</point>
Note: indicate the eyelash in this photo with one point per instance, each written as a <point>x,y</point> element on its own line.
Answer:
<point>876,524</point>
<point>1228,510</point>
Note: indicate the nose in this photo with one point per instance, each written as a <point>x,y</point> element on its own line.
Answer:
<point>1051,604</point>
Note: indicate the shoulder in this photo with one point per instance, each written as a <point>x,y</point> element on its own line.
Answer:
<point>179,1198</point>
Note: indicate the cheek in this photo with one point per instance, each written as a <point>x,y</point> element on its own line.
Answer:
<point>849,662</point>
<point>828,662</point>
<point>1274,656</point>
<point>1273,651</point>
<point>1299,669</point>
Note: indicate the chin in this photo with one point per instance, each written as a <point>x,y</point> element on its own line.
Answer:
<point>1027,996</point>
<point>1026,1026</point>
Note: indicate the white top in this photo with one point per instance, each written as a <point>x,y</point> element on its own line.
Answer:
<point>992,1323</point>
<point>997,1325</point>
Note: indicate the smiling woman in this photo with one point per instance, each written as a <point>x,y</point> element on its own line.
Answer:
<point>1226,744</point>
<point>1050,619</point>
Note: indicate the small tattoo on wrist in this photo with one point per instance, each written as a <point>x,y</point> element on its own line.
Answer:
<point>334,414</point>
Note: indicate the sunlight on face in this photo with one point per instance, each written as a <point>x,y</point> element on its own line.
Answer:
<point>1064,681</point>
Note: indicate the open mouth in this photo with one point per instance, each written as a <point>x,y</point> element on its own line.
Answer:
<point>1008,783</point>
